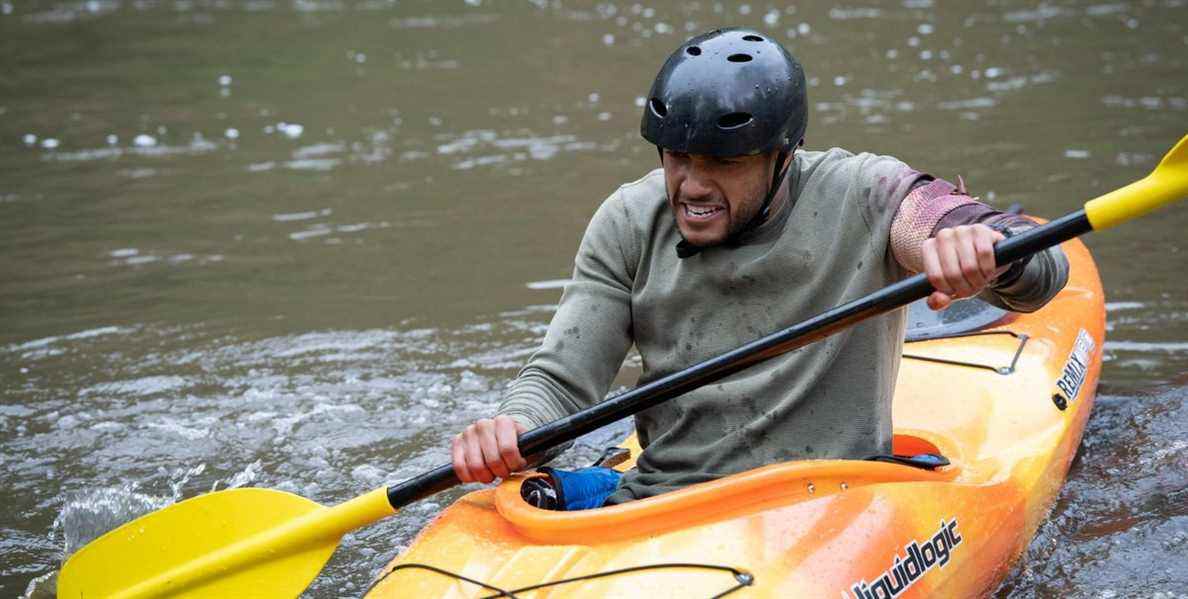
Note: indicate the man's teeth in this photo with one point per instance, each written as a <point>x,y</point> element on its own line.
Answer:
<point>701,210</point>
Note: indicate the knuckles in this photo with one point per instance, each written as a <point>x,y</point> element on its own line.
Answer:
<point>467,445</point>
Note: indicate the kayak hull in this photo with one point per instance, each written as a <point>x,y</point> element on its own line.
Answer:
<point>1009,420</point>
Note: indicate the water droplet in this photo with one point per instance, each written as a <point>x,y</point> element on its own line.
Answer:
<point>231,133</point>
<point>50,143</point>
<point>144,141</point>
<point>844,486</point>
<point>224,80</point>
<point>811,489</point>
<point>29,139</point>
<point>112,139</point>
<point>290,130</point>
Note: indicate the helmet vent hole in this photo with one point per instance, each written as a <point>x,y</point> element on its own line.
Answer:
<point>734,120</point>
<point>658,107</point>
<point>693,51</point>
<point>752,38</point>
<point>739,58</point>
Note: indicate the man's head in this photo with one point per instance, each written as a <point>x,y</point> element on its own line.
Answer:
<point>726,110</point>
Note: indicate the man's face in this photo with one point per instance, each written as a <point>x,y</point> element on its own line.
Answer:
<point>714,197</point>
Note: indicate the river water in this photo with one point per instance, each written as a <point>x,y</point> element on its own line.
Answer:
<point>299,244</point>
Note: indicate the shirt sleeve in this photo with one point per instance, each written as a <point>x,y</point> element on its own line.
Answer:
<point>591,331</point>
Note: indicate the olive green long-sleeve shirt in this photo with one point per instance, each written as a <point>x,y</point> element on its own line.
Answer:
<point>831,399</point>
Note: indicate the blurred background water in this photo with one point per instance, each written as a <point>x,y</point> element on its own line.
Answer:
<point>300,244</point>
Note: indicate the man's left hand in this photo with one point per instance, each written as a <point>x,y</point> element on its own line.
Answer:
<point>959,262</point>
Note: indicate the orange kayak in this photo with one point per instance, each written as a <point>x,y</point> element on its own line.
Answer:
<point>1005,403</point>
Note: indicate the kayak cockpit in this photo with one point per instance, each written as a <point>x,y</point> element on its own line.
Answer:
<point>769,487</point>
<point>763,488</point>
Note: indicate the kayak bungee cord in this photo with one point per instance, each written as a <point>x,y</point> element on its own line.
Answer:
<point>1003,370</point>
<point>743,579</point>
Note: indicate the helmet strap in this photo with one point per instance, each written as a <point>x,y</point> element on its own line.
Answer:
<point>777,179</point>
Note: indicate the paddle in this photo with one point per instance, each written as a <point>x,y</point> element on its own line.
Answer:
<point>266,543</point>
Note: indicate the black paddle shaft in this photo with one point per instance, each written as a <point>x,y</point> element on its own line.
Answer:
<point>710,371</point>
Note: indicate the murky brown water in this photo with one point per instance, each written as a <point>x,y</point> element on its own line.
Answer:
<point>299,244</point>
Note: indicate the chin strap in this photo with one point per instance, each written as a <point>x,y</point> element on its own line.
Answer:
<point>684,249</point>
<point>777,179</point>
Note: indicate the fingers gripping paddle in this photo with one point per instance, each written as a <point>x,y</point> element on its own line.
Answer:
<point>266,543</point>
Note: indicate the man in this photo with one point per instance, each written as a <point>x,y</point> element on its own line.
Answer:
<point>740,234</point>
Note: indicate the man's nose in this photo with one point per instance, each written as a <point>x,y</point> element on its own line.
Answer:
<point>695,187</point>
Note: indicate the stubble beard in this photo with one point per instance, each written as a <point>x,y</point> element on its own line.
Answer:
<point>747,212</point>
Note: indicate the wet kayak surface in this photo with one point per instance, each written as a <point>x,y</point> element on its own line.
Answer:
<point>305,260</point>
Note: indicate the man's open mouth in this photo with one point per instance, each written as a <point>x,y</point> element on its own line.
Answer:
<point>702,212</point>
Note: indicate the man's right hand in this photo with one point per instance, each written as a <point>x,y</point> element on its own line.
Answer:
<point>488,449</point>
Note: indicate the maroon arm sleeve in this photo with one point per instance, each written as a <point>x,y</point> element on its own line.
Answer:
<point>934,205</point>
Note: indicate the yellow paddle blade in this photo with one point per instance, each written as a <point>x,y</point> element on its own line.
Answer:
<point>1166,184</point>
<point>236,543</point>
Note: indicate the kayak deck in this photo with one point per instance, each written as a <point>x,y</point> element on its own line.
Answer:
<point>998,406</point>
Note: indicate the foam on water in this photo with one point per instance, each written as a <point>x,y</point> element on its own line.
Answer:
<point>315,414</point>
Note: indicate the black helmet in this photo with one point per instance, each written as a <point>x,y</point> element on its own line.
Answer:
<point>729,92</point>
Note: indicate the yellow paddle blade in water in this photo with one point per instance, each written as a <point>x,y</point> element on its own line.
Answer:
<point>1166,184</point>
<point>238,543</point>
